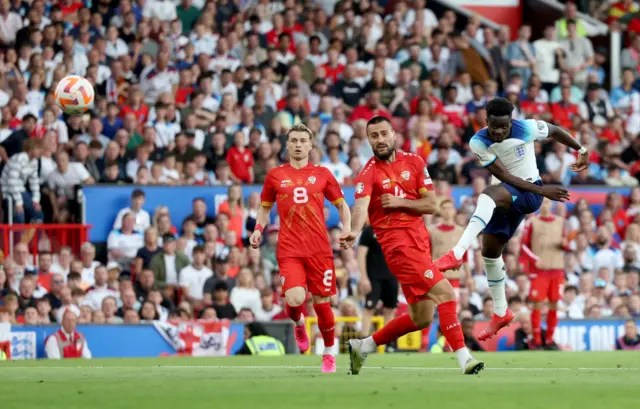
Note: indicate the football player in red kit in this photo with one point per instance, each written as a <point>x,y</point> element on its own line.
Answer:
<point>396,189</point>
<point>305,257</point>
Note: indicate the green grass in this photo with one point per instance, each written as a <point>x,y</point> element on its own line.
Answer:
<point>547,380</point>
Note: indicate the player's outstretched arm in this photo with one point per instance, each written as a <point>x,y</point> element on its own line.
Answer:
<point>262,218</point>
<point>425,205</point>
<point>358,217</point>
<point>567,139</point>
<point>345,216</point>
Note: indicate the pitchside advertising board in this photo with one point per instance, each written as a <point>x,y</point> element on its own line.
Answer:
<point>104,202</point>
<point>223,338</point>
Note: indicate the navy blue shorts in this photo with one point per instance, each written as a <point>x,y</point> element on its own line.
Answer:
<point>524,203</point>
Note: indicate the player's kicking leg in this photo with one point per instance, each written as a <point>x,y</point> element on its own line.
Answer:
<point>496,196</point>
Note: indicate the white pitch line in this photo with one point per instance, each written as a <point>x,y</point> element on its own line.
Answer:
<point>310,367</point>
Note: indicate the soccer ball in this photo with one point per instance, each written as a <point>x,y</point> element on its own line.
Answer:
<point>74,94</point>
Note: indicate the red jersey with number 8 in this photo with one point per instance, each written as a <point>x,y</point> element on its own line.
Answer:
<point>299,197</point>
<point>406,177</point>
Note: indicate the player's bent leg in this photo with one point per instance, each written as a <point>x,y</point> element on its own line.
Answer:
<point>443,296</point>
<point>294,298</point>
<point>326,324</point>
<point>496,196</point>
<point>359,349</point>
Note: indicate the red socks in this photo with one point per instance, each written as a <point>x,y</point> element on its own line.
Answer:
<point>535,325</point>
<point>552,323</point>
<point>295,313</point>
<point>394,329</point>
<point>450,326</point>
<point>326,323</point>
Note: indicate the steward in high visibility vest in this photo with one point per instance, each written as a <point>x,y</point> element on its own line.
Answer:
<point>258,342</point>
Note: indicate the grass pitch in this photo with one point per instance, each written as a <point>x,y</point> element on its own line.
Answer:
<point>545,380</point>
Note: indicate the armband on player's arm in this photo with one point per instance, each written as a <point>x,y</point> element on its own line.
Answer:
<point>259,228</point>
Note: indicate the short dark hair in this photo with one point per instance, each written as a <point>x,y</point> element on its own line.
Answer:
<point>137,193</point>
<point>198,249</point>
<point>499,107</point>
<point>378,119</point>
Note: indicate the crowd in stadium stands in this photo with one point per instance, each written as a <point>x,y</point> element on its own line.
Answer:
<point>194,92</point>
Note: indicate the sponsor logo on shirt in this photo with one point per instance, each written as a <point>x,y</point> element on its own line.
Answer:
<point>360,188</point>
<point>386,184</point>
<point>285,183</point>
<point>405,174</point>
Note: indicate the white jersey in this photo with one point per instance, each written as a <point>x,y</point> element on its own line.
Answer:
<point>517,152</point>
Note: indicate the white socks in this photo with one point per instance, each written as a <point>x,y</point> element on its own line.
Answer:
<point>368,345</point>
<point>477,223</point>
<point>496,278</point>
<point>463,355</point>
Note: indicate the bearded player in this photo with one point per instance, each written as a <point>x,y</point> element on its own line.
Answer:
<point>305,257</point>
<point>396,190</point>
<point>544,244</point>
<point>506,148</point>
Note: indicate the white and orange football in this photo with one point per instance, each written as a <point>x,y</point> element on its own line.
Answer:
<point>74,94</point>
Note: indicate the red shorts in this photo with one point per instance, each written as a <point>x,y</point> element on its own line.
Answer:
<point>546,285</point>
<point>316,274</point>
<point>414,270</point>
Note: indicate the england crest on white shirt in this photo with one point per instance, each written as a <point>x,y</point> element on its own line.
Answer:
<point>520,151</point>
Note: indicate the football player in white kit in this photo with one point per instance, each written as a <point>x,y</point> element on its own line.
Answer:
<point>506,148</point>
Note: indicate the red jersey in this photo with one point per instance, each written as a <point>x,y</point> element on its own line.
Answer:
<point>142,113</point>
<point>406,177</point>
<point>240,162</point>
<point>299,196</point>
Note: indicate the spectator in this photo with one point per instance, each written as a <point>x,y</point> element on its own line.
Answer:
<point>22,169</point>
<point>233,207</point>
<point>167,264</point>
<point>148,250</point>
<point>469,339</point>
<point>224,309</point>
<point>571,14</point>
<point>240,160</point>
<point>606,256</point>
<point>123,244</point>
<point>100,289</point>
<point>579,54</point>
<point>521,55</point>
<point>630,339</point>
<point>109,309</point>
<point>244,294</point>
<point>268,309</point>
<point>142,217</point>
<point>67,342</point>
<point>193,277</point>
<point>63,183</point>
<point>548,52</point>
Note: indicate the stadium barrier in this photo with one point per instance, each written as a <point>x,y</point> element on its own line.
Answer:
<point>43,237</point>
<point>102,202</point>
<point>145,340</point>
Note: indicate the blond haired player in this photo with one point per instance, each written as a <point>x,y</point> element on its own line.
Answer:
<point>305,257</point>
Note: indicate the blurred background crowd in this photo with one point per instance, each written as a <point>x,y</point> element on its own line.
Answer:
<point>194,92</point>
